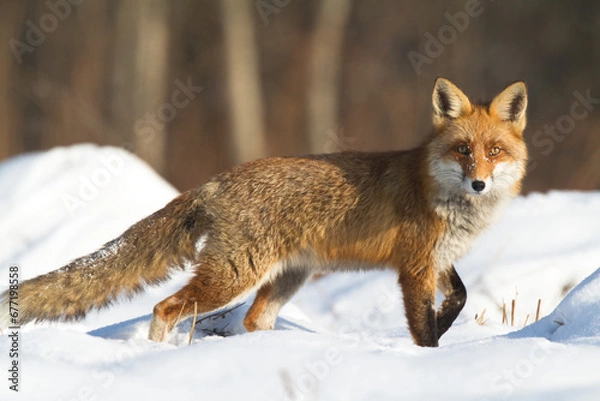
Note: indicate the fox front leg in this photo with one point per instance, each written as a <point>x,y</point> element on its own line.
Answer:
<point>418,290</point>
<point>455,292</point>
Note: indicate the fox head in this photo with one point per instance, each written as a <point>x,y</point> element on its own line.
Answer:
<point>478,149</point>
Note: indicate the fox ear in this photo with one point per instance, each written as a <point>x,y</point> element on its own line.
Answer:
<point>448,101</point>
<point>511,104</point>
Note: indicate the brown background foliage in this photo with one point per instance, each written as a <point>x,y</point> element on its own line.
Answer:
<point>288,77</point>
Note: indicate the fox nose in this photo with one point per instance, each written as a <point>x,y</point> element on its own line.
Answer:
<point>478,185</point>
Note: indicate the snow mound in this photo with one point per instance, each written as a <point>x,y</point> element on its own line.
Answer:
<point>542,246</point>
<point>67,202</point>
<point>576,318</point>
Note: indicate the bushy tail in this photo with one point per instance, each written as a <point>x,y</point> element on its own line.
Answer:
<point>145,254</point>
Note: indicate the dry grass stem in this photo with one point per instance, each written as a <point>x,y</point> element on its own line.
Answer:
<point>512,312</point>
<point>193,322</point>
<point>180,312</point>
<point>480,319</point>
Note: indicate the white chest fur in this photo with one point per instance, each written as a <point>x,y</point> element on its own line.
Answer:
<point>465,218</point>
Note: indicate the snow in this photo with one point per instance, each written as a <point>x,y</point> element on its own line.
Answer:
<point>342,337</point>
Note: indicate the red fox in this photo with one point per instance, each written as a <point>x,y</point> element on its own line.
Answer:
<point>268,225</point>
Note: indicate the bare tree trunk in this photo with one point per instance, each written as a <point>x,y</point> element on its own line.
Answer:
<point>10,21</point>
<point>243,81</point>
<point>141,108</point>
<point>324,79</point>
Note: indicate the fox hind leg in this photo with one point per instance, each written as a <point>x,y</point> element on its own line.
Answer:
<point>167,314</point>
<point>272,296</point>
<point>211,289</point>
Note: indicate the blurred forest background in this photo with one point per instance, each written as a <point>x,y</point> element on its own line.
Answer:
<point>196,86</point>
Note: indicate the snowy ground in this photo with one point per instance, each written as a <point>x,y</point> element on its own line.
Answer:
<point>343,337</point>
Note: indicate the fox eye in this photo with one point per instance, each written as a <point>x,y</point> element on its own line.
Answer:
<point>495,151</point>
<point>463,149</point>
